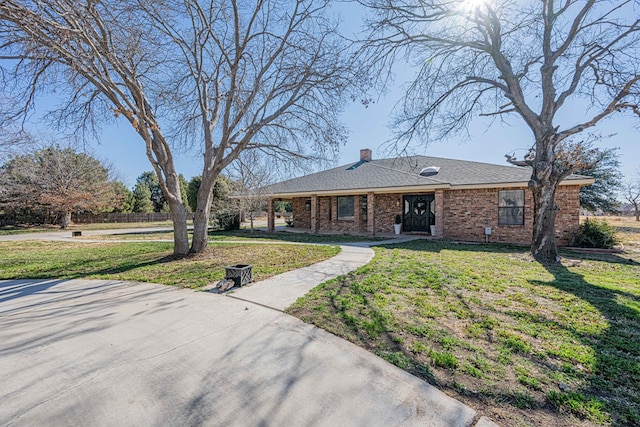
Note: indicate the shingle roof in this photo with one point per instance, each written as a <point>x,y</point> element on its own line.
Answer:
<point>405,172</point>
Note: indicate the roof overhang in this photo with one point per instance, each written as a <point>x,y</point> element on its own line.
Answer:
<point>420,188</point>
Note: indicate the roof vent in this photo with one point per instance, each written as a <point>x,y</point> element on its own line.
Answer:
<point>430,170</point>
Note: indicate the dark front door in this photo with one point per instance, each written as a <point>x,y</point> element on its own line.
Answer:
<point>419,212</point>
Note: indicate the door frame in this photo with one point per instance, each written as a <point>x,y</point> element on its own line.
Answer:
<point>408,217</point>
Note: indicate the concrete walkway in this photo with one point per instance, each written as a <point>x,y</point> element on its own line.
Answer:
<point>78,352</point>
<point>280,291</point>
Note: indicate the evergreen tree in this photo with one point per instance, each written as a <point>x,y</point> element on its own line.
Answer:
<point>124,197</point>
<point>604,167</point>
<point>142,199</point>
<point>184,186</point>
<point>150,179</point>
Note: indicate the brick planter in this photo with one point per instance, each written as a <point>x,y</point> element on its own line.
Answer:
<point>239,273</point>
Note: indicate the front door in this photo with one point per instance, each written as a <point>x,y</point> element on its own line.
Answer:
<point>419,212</point>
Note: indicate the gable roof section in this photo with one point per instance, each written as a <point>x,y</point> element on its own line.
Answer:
<point>403,174</point>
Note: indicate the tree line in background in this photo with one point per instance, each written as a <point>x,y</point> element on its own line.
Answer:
<point>48,185</point>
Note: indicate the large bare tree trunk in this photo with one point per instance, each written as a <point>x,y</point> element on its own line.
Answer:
<point>544,182</point>
<point>180,233</point>
<point>65,221</point>
<point>201,215</point>
<point>543,246</point>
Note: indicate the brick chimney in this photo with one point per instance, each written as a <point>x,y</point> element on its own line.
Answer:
<point>365,155</point>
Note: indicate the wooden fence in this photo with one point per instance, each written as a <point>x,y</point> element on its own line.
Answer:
<point>121,217</point>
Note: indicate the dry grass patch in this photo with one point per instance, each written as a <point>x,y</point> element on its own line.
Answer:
<point>628,230</point>
<point>151,262</point>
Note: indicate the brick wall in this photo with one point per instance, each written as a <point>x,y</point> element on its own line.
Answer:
<point>568,216</point>
<point>387,206</point>
<point>301,216</point>
<point>468,212</point>
<point>462,215</point>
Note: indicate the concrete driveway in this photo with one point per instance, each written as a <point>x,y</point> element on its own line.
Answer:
<point>77,352</point>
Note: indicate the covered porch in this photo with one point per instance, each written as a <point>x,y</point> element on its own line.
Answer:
<point>365,213</point>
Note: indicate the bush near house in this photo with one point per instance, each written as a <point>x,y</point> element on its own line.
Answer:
<point>595,233</point>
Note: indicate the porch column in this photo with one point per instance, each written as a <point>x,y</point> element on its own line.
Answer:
<point>271,217</point>
<point>439,200</point>
<point>314,213</point>
<point>371,217</point>
<point>357,213</point>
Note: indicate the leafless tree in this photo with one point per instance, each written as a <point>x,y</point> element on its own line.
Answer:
<point>12,142</point>
<point>216,77</point>
<point>528,59</point>
<point>252,175</point>
<point>632,194</point>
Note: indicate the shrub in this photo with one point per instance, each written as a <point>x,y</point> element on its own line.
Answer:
<point>596,234</point>
<point>225,220</point>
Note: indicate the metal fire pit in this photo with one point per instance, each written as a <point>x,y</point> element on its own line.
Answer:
<point>239,273</point>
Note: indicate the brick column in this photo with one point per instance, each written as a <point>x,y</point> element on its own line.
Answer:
<point>371,209</point>
<point>271,217</point>
<point>439,213</point>
<point>314,213</point>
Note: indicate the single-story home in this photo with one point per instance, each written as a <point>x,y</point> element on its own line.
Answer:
<point>447,198</point>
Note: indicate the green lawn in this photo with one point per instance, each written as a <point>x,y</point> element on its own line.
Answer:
<point>150,262</point>
<point>8,230</point>
<point>521,342</point>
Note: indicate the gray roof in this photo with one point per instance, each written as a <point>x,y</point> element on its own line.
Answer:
<point>405,172</point>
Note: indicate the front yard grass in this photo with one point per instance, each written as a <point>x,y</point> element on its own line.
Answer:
<point>9,230</point>
<point>151,262</point>
<point>521,342</point>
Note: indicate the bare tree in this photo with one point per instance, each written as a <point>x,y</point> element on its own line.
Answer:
<point>12,141</point>
<point>220,77</point>
<point>252,176</point>
<point>632,195</point>
<point>526,59</point>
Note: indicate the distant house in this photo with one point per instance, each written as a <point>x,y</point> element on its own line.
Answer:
<point>463,200</point>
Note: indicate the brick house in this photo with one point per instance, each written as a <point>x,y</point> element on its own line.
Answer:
<point>452,199</point>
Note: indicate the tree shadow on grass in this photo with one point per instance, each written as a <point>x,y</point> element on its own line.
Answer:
<point>615,377</point>
<point>611,385</point>
<point>79,269</point>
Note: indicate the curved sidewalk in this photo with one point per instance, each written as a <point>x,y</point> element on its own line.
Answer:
<point>279,292</point>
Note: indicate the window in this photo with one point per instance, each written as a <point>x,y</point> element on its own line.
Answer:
<point>345,207</point>
<point>511,207</point>
<point>307,205</point>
